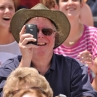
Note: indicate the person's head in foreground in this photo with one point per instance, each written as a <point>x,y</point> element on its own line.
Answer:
<point>26,81</point>
<point>32,92</point>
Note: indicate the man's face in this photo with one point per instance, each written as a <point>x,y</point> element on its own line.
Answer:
<point>45,42</point>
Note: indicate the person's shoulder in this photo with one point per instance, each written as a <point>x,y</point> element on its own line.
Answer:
<point>60,56</point>
<point>11,63</point>
<point>8,66</point>
<point>90,28</point>
<point>86,11</point>
<point>66,60</point>
<point>68,64</point>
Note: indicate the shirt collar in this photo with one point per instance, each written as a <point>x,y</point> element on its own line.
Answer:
<point>52,67</point>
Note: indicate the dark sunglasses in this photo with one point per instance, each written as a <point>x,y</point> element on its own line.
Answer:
<point>46,31</point>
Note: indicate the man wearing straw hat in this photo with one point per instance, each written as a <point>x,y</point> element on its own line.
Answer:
<point>65,75</point>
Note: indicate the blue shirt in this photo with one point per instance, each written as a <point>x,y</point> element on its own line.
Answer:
<point>65,75</point>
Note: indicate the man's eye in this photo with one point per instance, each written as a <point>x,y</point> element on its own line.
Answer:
<point>1,7</point>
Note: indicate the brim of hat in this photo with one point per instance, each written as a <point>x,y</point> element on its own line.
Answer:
<point>22,15</point>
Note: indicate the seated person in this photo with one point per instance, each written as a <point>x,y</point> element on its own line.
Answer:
<point>26,81</point>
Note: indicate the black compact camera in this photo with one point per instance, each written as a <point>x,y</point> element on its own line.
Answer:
<point>32,29</point>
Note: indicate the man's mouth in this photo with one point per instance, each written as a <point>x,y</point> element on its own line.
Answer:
<point>41,44</point>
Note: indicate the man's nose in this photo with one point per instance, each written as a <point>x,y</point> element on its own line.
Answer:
<point>40,34</point>
<point>69,1</point>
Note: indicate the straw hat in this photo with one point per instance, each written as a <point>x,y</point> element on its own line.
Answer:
<point>39,10</point>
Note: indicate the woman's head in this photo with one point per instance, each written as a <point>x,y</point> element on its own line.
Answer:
<point>7,10</point>
<point>71,8</point>
<point>25,78</point>
<point>57,1</point>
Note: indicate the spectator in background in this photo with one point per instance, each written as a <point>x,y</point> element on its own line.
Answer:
<point>19,6</point>
<point>26,82</point>
<point>27,3</point>
<point>86,16</point>
<point>82,40</point>
<point>8,46</point>
<point>93,5</point>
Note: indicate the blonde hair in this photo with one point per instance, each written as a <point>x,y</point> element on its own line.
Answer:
<point>49,3</point>
<point>25,77</point>
<point>31,91</point>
